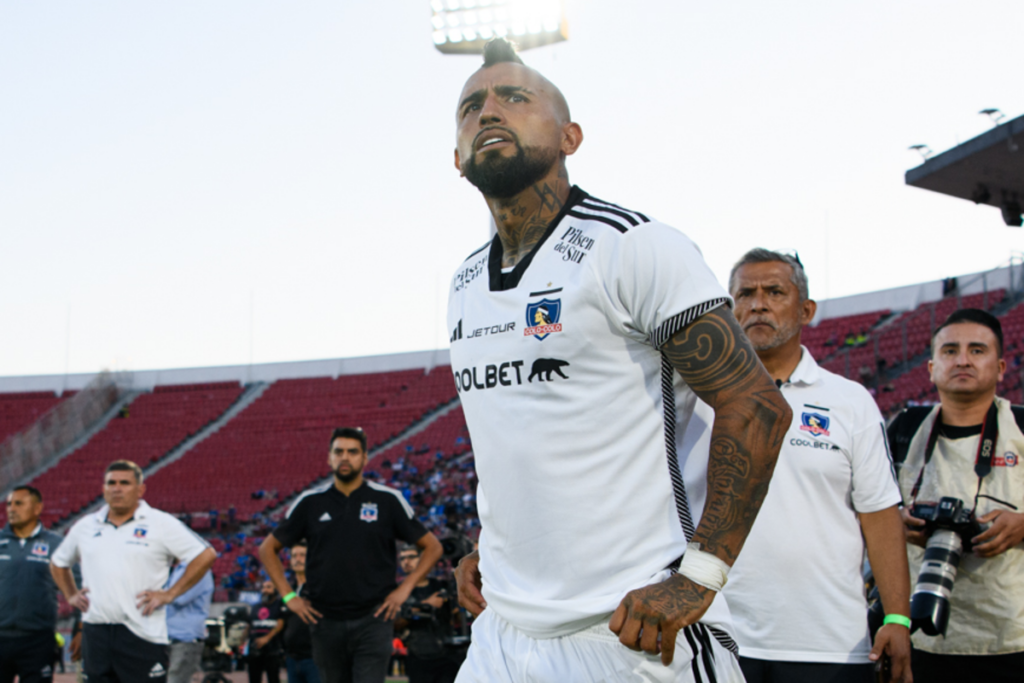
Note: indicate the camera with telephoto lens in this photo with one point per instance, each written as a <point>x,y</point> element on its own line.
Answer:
<point>951,529</point>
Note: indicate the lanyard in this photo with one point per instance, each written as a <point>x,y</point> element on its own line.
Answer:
<point>983,459</point>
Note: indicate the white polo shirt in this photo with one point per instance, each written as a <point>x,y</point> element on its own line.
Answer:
<point>796,591</point>
<point>119,562</point>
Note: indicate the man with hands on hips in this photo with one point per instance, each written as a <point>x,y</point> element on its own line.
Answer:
<point>125,551</point>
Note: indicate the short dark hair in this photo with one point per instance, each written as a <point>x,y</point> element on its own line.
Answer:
<point>356,433</point>
<point>32,491</point>
<point>973,315</point>
<point>499,50</point>
<point>125,466</point>
<point>410,546</point>
<point>759,255</point>
<point>299,544</point>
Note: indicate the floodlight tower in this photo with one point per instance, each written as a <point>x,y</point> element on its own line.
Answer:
<point>464,26</point>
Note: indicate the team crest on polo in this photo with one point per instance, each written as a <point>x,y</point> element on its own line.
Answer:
<point>140,532</point>
<point>815,423</point>
<point>40,548</point>
<point>368,513</point>
<point>542,318</point>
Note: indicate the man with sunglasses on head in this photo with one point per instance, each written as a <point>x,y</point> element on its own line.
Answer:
<point>968,448</point>
<point>125,550</point>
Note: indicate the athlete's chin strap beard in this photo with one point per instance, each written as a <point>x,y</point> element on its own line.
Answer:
<point>347,478</point>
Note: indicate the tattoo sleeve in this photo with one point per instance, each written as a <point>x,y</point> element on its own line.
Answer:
<point>714,357</point>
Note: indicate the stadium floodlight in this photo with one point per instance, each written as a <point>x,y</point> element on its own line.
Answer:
<point>464,26</point>
<point>993,114</point>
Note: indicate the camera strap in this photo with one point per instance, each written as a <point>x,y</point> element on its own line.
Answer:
<point>986,448</point>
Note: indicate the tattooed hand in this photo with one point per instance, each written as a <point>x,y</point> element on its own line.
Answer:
<point>649,618</point>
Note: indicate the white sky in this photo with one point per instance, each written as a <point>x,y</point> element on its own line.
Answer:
<point>168,168</point>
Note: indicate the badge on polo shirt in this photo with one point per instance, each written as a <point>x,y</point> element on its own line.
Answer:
<point>140,532</point>
<point>368,513</point>
<point>41,548</point>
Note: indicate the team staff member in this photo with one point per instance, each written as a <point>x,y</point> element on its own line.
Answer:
<point>186,625</point>
<point>599,467</point>
<point>351,526</point>
<point>942,452</point>
<point>298,648</point>
<point>796,593</point>
<point>28,595</point>
<point>125,550</point>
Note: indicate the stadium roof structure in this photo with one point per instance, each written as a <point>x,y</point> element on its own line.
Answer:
<point>988,169</point>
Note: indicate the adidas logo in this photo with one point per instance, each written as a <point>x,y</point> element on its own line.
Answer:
<point>326,517</point>
<point>457,332</point>
<point>157,671</point>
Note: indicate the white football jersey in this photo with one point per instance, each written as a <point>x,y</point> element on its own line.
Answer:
<point>591,451</point>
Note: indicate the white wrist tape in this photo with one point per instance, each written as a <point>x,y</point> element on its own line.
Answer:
<point>703,568</point>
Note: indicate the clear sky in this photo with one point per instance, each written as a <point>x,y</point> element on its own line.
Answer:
<point>207,183</point>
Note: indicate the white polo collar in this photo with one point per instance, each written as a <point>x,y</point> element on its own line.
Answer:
<point>806,371</point>
<point>141,512</point>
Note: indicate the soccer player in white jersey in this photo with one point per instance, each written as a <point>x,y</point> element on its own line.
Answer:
<point>796,593</point>
<point>624,430</point>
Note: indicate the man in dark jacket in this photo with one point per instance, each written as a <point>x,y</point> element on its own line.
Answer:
<point>28,595</point>
<point>298,647</point>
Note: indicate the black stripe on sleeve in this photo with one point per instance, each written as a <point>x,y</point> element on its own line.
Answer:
<point>678,322</point>
<point>604,219</point>
<point>621,214</point>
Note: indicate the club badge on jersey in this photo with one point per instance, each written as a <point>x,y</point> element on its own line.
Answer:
<point>815,423</point>
<point>542,318</point>
<point>140,532</point>
<point>40,548</point>
<point>368,513</point>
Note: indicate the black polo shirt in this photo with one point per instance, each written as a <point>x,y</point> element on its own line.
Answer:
<point>350,563</point>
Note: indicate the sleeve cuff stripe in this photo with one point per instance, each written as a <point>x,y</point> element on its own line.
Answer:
<point>678,322</point>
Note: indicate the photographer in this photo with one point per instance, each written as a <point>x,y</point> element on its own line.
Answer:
<point>426,614</point>
<point>965,451</point>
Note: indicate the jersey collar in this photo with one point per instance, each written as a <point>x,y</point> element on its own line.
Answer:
<point>807,371</point>
<point>499,281</point>
<point>141,512</point>
<point>8,530</point>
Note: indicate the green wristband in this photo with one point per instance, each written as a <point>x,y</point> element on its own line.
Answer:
<point>291,595</point>
<point>896,619</point>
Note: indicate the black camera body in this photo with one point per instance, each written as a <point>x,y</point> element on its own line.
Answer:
<point>948,513</point>
<point>950,528</point>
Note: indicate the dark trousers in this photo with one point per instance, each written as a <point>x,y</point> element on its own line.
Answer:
<point>442,669</point>
<point>929,668</point>
<point>765,671</point>
<point>269,664</point>
<point>301,670</point>
<point>113,654</point>
<point>29,657</point>
<point>352,650</point>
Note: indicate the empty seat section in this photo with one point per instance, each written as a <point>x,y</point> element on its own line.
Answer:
<point>154,425</point>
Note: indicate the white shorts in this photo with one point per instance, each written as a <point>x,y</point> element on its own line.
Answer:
<point>500,653</point>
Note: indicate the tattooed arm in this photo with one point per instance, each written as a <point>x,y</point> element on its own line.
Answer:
<point>717,361</point>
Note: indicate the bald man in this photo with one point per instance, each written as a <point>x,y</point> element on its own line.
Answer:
<point>582,336</point>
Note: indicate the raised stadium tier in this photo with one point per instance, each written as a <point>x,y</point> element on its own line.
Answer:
<point>278,446</point>
<point>19,410</point>
<point>155,423</point>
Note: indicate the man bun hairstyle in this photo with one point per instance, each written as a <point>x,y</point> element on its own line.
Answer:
<point>498,50</point>
<point>356,433</point>
<point>759,255</point>
<point>973,315</point>
<point>125,466</point>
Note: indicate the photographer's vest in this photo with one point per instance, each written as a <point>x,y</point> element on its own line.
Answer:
<point>987,605</point>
